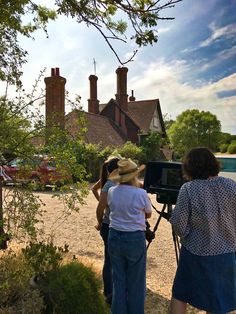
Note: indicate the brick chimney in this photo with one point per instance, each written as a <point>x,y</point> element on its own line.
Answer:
<point>93,102</point>
<point>55,99</point>
<point>121,91</point>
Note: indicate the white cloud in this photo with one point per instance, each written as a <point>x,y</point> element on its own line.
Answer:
<point>228,31</point>
<point>164,29</point>
<point>165,81</point>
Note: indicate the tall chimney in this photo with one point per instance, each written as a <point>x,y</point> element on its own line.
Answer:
<point>55,99</point>
<point>121,91</point>
<point>93,102</point>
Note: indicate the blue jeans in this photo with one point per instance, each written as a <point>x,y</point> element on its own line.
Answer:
<point>128,257</point>
<point>106,272</point>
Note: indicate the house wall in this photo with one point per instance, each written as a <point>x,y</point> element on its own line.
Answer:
<point>132,131</point>
<point>126,125</point>
<point>155,123</point>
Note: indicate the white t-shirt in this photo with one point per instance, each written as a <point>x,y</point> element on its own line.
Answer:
<point>128,205</point>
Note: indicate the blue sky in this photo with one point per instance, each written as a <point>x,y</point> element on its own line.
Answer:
<point>193,65</point>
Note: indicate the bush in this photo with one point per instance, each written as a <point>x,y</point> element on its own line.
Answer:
<point>72,289</point>
<point>151,144</point>
<point>16,295</point>
<point>232,148</point>
<point>130,150</point>
<point>224,148</point>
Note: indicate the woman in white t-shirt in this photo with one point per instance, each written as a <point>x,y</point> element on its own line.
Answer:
<point>129,206</point>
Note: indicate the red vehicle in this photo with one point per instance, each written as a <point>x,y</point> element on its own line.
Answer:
<point>41,170</point>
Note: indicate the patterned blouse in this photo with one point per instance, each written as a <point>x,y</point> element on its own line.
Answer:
<point>205,216</point>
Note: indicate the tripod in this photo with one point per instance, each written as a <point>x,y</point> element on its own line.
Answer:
<point>166,213</point>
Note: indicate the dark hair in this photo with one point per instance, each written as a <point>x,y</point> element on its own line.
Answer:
<point>200,163</point>
<point>107,168</point>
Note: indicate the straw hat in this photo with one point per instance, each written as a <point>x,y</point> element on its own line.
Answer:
<point>128,169</point>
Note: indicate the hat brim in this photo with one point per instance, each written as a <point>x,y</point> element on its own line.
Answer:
<point>114,175</point>
<point>129,176</point>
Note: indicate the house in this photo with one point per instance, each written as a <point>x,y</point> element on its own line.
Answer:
<point>112,124</point>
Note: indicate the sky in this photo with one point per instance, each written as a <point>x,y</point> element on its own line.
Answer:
<point>193,64</point>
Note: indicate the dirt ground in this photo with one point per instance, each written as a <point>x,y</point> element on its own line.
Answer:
<point>85,243</point>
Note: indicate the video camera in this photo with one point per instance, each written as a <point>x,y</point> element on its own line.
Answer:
<point>164,178</point>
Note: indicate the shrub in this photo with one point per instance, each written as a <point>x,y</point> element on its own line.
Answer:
<point>16,295</point>
<point>43,257</point>
<point>72,289</point>
<point>224,148</point>
<point>130,150</point>
<point>232,148</point>
<point>151,144</point>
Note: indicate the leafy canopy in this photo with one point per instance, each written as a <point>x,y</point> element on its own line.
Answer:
<point>108,17</point>
<point>194,128</point>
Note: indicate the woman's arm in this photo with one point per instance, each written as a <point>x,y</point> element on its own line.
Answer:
<point>148,215</point>
<point>148,206</point>
<point>95,188</point>
<point>102,204</point>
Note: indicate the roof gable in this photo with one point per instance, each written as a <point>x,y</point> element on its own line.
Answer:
<point>142,112</point>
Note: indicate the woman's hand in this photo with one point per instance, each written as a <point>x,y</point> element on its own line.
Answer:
<point>98,227</point>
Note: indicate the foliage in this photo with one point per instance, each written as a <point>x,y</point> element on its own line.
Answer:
<point>194,128</point>
<point>73,288</point>
<point>232,148</point>
<point>223,148</point>
<point>12,13</point>
<point>151,145</point>
<point>22,212</point>
<point>43,257</point>
<point>104,16</point>
<point>130,150</point>
<point>15,128</point>
<point>22,124</point>
<point>168,121</point>
<point>225,138</point>
<point>15,293</point>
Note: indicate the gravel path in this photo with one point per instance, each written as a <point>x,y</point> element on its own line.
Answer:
<point>84,242</point>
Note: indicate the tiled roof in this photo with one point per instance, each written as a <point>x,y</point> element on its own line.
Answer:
<point>142,112</point>
<point>100,129</point>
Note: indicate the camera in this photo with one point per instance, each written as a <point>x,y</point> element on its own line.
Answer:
<point>164,178</point>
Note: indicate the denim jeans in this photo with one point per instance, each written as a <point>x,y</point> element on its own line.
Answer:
<point>128,257</point>
<point>106,272</point>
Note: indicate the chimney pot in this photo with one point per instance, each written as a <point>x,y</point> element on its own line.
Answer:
<point>57,71</point>
<point>132,98</point>
<point>52,72</point>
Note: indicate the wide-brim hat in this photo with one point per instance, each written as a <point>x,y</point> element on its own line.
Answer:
<point>128,169</point>
<point>114,175</point>
<point>109,158</point>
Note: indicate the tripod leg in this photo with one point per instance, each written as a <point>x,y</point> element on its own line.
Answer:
<point>157,223</point>
<point>176,245</point>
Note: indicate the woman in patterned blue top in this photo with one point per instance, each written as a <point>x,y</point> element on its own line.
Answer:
<point>205,219</point>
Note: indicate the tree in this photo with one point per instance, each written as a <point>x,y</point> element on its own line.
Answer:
<point>194,128</point>
<point>12,13</point>
<point>151,145</point>
<point>20,209</point>
<point>103,15</point>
